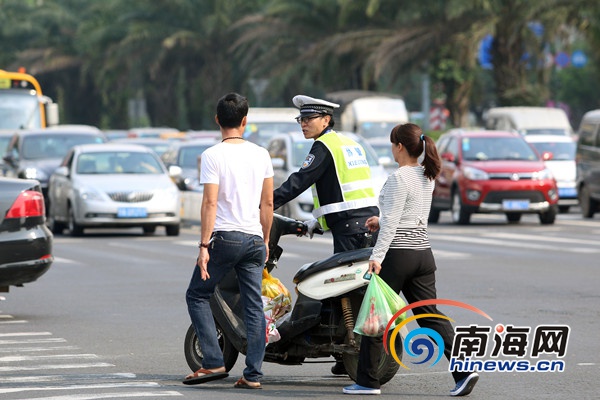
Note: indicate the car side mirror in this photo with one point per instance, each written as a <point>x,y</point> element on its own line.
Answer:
<point>9,159</point>
<point>447,156</point>
<point>278,163</point>
<point>175,171</point>
<point>62,171</point>
<point>52,115</point>
<point>547,156</point>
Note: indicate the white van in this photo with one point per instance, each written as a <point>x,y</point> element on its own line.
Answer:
<point>266,122</point>
<point>373,117</point>
<point>529,120</point>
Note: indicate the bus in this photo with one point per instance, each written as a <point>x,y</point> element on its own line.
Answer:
<point>22,103</point>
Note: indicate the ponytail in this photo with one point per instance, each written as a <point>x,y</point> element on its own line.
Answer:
<point>411,136</point>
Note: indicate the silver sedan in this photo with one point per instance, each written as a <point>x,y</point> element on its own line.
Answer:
<point>112,185</point>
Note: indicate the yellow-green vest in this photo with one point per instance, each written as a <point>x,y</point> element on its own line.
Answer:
<point>353,173</point>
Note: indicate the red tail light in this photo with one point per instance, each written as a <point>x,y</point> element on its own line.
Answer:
<point>29,204</point>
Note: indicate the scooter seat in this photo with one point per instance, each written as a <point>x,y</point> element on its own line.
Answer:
<point>346,257</point>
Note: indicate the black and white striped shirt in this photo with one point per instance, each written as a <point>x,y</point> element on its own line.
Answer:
<point>404,204</point>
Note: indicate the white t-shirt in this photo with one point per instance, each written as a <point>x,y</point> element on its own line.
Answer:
<point>240,170</point>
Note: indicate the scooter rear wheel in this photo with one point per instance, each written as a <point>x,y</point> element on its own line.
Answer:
<point>193,352</point>
<point>387,365</point>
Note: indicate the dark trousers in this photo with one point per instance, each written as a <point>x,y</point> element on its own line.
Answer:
<point>353,241</point>
<point>411,272</point>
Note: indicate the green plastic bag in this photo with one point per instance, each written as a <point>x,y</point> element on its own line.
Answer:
<point>378,306</point>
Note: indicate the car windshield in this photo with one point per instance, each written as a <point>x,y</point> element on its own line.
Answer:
<point>561,151</point>
<point>4,140</point>
<point>158,148</point>
<point>371,130</point>
<point>383,150</point>
<point>188,155</point>
<point>497,148</point>
<point>118,162</point>
<point>262,132</point>
<point>546,131</point>
<point>49,145</point>
<point>19,111</point>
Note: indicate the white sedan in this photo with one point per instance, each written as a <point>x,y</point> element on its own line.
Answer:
<point>112,185</point>
<point>558,153</point>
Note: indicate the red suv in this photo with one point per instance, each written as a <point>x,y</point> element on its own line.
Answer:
<point>492,172</point>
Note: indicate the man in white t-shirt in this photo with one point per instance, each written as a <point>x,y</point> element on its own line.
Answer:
<point>236,216</point>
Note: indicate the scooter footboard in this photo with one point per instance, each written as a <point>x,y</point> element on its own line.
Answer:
<point>305,314</point>
<point>233,327</point>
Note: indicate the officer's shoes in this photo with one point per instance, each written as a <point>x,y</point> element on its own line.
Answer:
<point>339,369</point>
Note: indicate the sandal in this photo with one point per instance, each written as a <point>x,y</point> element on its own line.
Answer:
<point>243,384</point>
<point>202,376</point>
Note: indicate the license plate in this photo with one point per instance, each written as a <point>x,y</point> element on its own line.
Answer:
<point>567,192</point>
<point>515,204</point>
<point>131,212</point>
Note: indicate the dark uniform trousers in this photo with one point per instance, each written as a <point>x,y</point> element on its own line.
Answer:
<point>352,235</point>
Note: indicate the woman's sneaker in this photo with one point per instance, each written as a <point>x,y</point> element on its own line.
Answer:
<point>357,389</point>
<point>465,386</point>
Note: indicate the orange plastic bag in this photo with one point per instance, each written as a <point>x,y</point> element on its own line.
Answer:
<point>272,287</point>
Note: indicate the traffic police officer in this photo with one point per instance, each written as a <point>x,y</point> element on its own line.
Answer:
<point>337,170</point>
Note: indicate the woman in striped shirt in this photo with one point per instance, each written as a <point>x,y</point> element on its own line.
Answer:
<point>402,254</point>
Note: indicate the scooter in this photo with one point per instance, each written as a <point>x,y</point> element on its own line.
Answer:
<point>321,323</point>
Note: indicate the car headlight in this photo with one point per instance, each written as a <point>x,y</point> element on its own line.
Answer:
<point>170,193</point>
<point>475,174</point>
<point>89,194</point>
<point>34,173</point>
<point>542,175</point>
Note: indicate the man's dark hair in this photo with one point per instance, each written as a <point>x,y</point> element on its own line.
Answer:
<point>231,109</point>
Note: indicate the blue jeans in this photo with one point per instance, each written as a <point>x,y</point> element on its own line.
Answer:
<point>246,254</point>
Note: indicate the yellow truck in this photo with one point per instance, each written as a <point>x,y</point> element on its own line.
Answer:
<point>22,103</point>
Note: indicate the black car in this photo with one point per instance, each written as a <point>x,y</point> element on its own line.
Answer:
<point>25,241</point>
<point>35,154</point>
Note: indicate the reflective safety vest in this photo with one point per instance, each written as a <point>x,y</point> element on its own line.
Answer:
<point>353,176</point>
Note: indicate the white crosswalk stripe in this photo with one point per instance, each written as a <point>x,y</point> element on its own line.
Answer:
<point>24,353</point>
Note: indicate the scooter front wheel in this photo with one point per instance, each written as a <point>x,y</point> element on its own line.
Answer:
<point>193,351</point>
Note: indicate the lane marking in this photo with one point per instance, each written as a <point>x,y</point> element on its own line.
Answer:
<point>8,359</point>
<point>37,349</point>
<point>503,243</point>
<point>80,387</point>
<point>539,238</point>
<point>33,341</point>
<point>69,377</point>
<point>157,395</point>
<point>55,366</point>
<point>25,334</point>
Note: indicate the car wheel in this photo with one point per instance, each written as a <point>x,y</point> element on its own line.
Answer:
<point>434,216</point>
<point>172,230</point>
<point>563,209</point>
<point>459,215</point>
<point>149,229</point>
<point>74,228</point>
<point>587,204</point>
<point>513,217</point>
<point>548,217</point>
<point>54,226</point>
